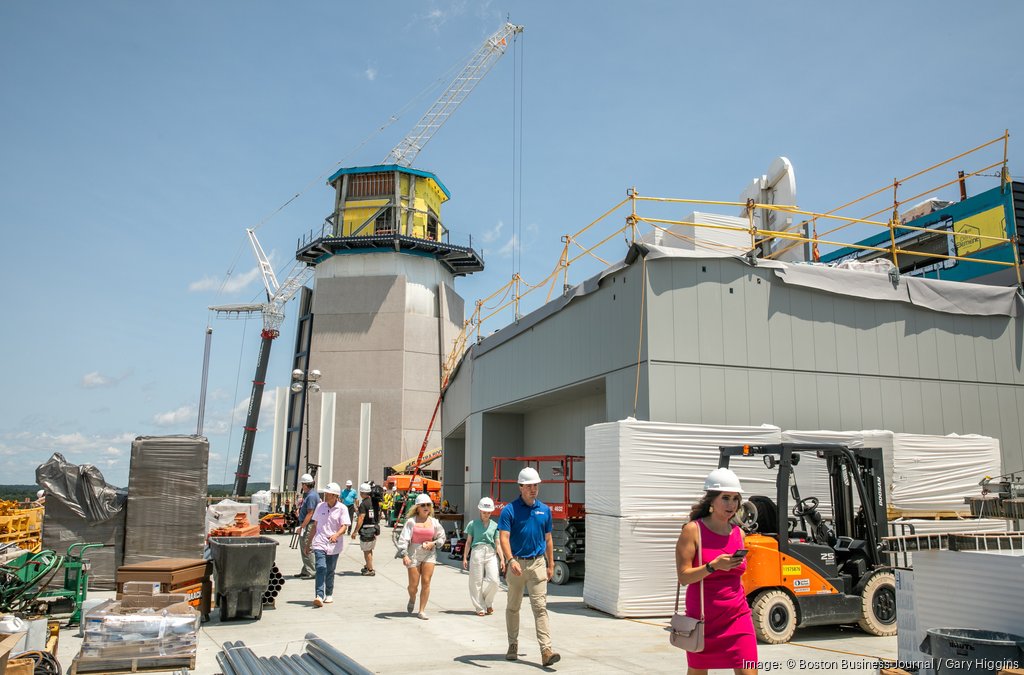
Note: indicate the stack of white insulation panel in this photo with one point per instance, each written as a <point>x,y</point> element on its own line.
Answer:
<point>642,480</point>
<point>924,473</point>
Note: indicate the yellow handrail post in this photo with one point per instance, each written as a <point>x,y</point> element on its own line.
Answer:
<point>631,218</point>
<point>565,262</point>
<point>894,221</point>
<point>750,223</point>
<point>1004,175</point>
<point>516,278</point>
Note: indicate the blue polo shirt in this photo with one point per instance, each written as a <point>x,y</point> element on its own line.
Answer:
<point>309,503</point>
<point>348,496</point>
<point>526,526</point>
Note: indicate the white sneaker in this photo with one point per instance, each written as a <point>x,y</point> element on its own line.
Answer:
<point>329,599</point>
<point>317,602</point>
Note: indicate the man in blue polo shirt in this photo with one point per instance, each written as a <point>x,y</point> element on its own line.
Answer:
<point>524,529</point>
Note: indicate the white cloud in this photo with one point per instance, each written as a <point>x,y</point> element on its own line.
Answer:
<point>491,235</point>
<point>96,379</point>
<point>371,73</point>
<point>509,248</point>
<point>233,284</point>
<point>173,418</point>
<point>221,422</point>
<point>35,447</point>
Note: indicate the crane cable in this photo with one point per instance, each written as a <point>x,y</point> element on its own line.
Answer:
<point>517,155</point>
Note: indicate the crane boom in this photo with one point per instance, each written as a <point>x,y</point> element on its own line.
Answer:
<point>404,154</point>
<point>272,311</point>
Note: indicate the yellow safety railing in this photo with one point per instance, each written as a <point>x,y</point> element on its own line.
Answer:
<point>512,292</point>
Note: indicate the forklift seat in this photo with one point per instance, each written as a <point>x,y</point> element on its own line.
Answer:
<point>767,514</point>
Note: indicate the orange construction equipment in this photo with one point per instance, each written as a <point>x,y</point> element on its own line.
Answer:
<point>409,483</point>
<point>240,528</point>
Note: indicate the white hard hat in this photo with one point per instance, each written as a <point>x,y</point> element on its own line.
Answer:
<point>486,504</point>
<point>331,489</point>
<point>424,499</point>
<point>40,494</point>
<point>365,488</point>
<point>348,483</point>
<point>529,476</point>
<point>306,478</point>
<point>723,480</point>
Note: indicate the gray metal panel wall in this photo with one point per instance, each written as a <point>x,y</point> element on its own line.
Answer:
<point>593,335</point>
<point>731,344</point>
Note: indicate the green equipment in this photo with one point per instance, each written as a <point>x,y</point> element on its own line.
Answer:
<point>23,583</point>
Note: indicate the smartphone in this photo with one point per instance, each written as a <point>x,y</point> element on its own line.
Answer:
<point>740,553</point>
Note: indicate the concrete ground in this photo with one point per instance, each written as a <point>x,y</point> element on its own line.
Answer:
<point>368,622</point>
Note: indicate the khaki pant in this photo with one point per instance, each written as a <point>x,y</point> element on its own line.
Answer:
<point>535,580</point>
<point>306,539</point>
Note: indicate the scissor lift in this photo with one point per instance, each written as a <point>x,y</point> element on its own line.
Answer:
<point>568,516</point>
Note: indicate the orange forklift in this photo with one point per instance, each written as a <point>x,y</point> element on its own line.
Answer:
<point>805,570</point>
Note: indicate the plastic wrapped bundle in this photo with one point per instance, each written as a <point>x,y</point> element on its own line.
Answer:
<point>657,469</point>
<point>166,498</point>
<point>139,632</point>
<point>631,565</point>
<point>82,507</point>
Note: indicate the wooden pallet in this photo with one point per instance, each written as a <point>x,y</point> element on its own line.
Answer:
<point>149,664</point>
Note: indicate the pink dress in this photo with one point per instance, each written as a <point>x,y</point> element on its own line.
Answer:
<point>728,629</point>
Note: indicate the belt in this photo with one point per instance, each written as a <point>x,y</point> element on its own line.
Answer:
<point>528,557</point>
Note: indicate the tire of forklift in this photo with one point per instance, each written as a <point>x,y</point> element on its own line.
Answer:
<point>774,616</point>
<point>562,573</point>
<point>878,605</point>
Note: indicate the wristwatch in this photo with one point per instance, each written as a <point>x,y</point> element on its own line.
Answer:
<point>709,568</point>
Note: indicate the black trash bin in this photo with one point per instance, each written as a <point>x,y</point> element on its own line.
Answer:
<point>968,650</point>
<point>241,567</point>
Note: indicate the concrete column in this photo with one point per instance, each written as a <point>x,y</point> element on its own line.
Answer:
<point>364,442</point>
<point>328,403</point>
<point>280,431</point>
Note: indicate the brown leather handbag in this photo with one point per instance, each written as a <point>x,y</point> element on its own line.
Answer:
<point>688,632</point>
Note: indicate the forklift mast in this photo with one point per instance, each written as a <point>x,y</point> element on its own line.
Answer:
<point>849,469</point>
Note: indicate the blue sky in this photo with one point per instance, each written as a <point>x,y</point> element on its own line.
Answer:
<point>139,140</point>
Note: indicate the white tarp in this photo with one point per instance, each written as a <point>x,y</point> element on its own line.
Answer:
<point>656,469</point>
<point>935,473</point>
<point>222,514</point>
<point>923,473</point>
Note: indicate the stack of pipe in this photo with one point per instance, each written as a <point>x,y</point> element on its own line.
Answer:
<point>320,658</point>
<point>274,587</point>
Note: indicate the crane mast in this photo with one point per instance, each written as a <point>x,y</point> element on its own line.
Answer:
<point>272,312</point>
<point>493,48</point>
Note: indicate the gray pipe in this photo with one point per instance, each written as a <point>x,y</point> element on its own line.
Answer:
<point>315,644</point>
<point>225,665</point>
<point>314,666</point>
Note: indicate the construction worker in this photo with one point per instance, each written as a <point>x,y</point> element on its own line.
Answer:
<point>367,528</point>
<point>525,532</point>
<point>348,498</point>
<point>310,500</point>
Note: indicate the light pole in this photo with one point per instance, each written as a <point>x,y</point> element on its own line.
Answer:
<point>305,381</point>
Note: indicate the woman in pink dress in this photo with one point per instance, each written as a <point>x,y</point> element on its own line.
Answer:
<point>704,553</point>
